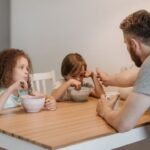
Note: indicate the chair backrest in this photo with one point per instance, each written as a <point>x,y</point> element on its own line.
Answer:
<point>39,80</point>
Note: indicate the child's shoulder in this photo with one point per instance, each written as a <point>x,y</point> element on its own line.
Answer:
<point>58,83</point>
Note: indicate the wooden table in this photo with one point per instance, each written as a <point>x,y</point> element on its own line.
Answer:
<point>73,126</point>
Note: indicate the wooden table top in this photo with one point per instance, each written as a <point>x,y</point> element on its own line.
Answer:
<point>69,124</point>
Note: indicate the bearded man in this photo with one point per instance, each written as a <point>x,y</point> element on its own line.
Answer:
<point>136,32</point>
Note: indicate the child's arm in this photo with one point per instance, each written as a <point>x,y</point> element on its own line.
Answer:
<point>98,88</point>
<point>14,87</point>
<point>4,96</point>
<point>60,91</point>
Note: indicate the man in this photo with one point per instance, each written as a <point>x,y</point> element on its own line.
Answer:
<point>136,31</point>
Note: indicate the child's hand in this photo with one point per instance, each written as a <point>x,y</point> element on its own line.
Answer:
<point>50,103</point>
<point>19,85</point>
<point>75,83</point>
<point>88,73</point>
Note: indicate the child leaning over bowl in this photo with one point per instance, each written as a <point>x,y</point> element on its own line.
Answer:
<point>74,70</point>
<point>15,67</point>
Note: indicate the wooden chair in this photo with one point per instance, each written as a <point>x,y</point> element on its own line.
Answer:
<point>39,81</point>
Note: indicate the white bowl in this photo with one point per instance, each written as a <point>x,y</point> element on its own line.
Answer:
<point>79,95</point>
<point>112,94</point>
<point>32,103</point>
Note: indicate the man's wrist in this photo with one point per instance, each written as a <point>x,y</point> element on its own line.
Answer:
<point>112,80</point>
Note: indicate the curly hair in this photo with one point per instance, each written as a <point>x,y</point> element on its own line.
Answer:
<point>71,63</point>
<point>8,60</point>
<point>138,24</point>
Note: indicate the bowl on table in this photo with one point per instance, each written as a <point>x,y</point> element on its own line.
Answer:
<point>79,95</point>
<point>111,94</point>
<point>32,103</point>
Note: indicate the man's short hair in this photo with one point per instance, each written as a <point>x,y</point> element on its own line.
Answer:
<point>138,24</point>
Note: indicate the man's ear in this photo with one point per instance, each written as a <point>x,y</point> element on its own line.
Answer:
<point>135,45</point>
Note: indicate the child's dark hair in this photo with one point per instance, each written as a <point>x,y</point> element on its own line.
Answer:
<point>71,63</point>
<point>8,60</point>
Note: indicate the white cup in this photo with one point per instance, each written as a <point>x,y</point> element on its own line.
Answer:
<point>111,94</point>
<point>124,92</point>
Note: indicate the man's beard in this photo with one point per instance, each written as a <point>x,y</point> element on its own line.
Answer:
<point>135,58</point>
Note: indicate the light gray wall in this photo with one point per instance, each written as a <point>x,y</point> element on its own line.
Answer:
<point>4,24</point>
<point>49,29</point>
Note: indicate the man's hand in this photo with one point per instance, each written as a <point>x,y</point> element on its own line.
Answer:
<point>103,77</point>
<point>106,104</point>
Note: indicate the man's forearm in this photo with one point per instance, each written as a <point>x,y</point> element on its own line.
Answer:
<point>124,79</point>
<point>112,118</point>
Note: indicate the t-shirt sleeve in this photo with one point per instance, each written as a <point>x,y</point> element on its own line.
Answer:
<point>142,84</point>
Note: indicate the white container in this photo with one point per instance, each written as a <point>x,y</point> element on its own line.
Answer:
<point>79,95</point>
<point>112,94</point>
<point>32,103</point>
<point>124,92</point>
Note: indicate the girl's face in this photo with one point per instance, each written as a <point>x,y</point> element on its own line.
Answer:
<point>21,70</point>
<point>78,75</point>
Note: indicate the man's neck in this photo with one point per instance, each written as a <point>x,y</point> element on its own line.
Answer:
<point>145,51</point>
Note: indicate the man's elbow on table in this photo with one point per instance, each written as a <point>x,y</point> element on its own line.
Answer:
<point>118,122</point>
<point>123,127</point>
